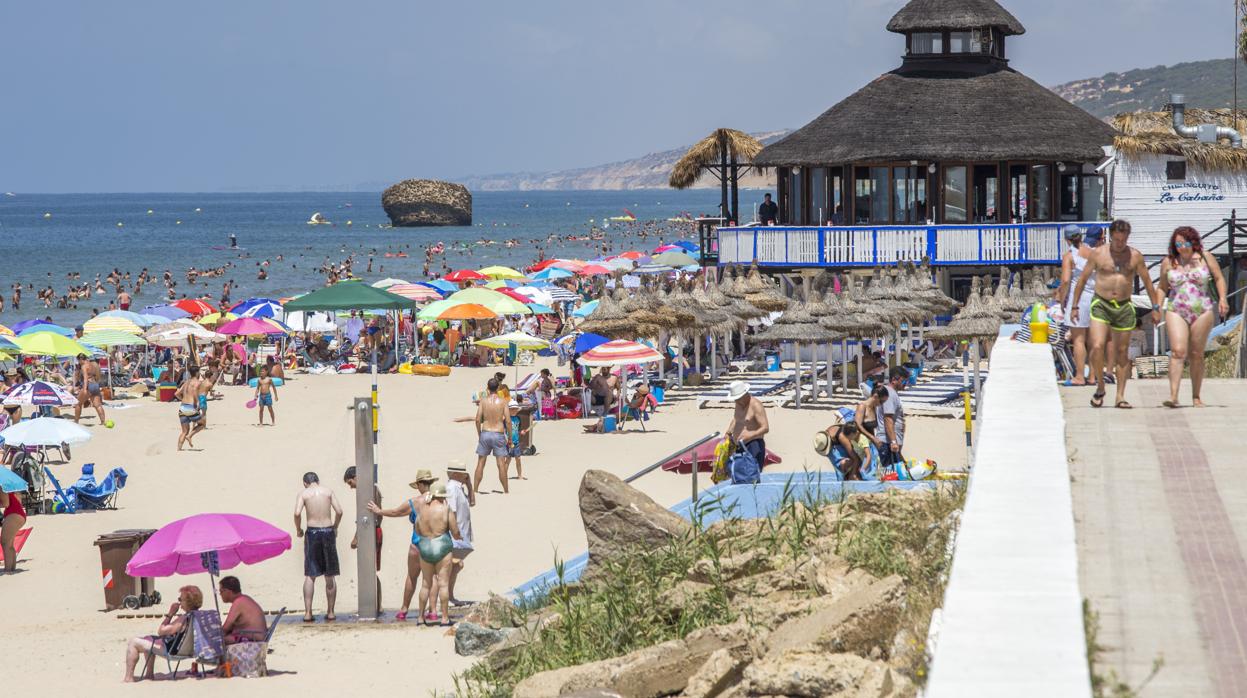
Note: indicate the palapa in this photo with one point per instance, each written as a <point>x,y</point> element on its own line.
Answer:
<point>610,319</point>
<point>762,294</point>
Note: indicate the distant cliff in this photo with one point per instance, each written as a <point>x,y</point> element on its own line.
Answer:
<point>648,172</point>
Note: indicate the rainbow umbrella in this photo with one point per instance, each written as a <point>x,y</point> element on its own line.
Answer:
<point>6,331</point>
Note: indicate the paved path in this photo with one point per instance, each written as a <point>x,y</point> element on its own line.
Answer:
<point>1160,508</point>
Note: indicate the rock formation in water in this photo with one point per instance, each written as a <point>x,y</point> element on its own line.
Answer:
<point>427,202</point>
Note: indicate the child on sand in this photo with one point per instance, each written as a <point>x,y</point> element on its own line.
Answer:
<point>516,451</point>
<point>265,394</point>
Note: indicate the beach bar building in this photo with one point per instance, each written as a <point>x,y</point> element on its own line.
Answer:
<point>953,156</point>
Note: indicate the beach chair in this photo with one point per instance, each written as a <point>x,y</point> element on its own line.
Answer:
<point>209,640</point>
<point>68,504</point>
<point>183,649</point>
<point>267,634</point>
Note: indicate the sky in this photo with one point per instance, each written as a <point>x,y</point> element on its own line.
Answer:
<point>156,96</point>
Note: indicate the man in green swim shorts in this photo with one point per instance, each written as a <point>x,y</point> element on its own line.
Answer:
<point>1115,265</point>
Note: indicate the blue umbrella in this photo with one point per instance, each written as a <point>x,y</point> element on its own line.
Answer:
<point>136,318</point>
<point>588,341</point>
<point>168,312</point>
<point>688,246</point>
<point>539,309</point>
<point>444,287</point>
<point>47,327</point>
<point>7,344</point>
<point>11,481</point>
<point>24,325</point>
<point>585,310</point>
<point>652,269</point>
<point>550,273</point>
<point>264,307</point>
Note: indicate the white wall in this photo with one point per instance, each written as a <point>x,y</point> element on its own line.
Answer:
<point>1155,206</point>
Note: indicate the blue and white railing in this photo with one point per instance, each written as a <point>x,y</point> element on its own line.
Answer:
<point>864,246</point>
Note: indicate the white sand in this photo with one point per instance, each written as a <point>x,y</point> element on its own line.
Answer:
<point>57,635</point>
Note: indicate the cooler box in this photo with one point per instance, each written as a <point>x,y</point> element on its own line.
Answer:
<point>609,424</point>
<point>166,393</point>
<point>120,589</point>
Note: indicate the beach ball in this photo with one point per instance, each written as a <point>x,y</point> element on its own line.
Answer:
<point>109,424</point>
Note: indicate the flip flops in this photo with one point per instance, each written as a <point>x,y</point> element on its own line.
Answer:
<point>1123,405</point>
<point>1097,400</point>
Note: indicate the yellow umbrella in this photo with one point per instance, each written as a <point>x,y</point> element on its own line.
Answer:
<point>214,319</point>
<point>500,273</point>
<point>49,344</point>
<point>6,331</point>
<point>519,340</point>
<point>114,323</point>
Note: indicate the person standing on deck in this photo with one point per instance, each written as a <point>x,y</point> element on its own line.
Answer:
<point>768,211</point>
<point>1116,266</point>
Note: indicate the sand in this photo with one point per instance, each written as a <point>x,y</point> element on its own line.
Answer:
<point>52,612</point>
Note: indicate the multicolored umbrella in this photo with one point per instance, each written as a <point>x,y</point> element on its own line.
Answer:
<point>416,292</point>
<point>168,312</point>
<point>387,283</point>
<point>498,302</point>
<point>24,325</point>
<point>137,318</point>
<point>559,294</point>
<point>47,327</point>
<point>112,338</point>
<point>38,394</point>
<point>111,323</point>
<point>620,352</point>
<point>445,287</point>
<point>214,319</point>
<point>258,307</point>
<point>4,331</point>
<point>674,259</point>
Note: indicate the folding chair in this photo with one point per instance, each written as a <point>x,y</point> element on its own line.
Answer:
<point>209,640</point>
<point>182,650</point>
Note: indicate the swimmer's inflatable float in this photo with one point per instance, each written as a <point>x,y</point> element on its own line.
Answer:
<point>276,381</point>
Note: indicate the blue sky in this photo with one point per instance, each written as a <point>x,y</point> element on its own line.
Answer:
<point>171,96</point>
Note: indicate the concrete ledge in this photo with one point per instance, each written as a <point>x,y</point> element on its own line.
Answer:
<point>1012,618</point>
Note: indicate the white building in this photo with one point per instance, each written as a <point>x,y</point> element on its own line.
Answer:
<point>1159,181</point>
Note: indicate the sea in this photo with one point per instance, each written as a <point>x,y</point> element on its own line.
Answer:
<point>43,237</point>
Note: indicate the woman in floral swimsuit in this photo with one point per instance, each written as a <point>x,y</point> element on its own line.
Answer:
<point>1189,308</point>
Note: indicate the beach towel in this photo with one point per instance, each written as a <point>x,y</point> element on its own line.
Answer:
<point>86,493</point>
<point>18,542</point>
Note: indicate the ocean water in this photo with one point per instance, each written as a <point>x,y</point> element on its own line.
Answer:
<point>82,235</point>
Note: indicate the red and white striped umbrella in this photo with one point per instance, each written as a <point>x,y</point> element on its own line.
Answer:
<point>415,292</point>
<point>619,352</point>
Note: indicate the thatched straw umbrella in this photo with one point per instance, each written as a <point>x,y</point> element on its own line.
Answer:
<point>978,320</point>
<point>733,289</point>
<point>717,321</point>
<point>826,305</point>
<point>796,325</point>
<point>610,319</point>
<point>726,150</point>
<point>763,294</point>
<point>859,318</point>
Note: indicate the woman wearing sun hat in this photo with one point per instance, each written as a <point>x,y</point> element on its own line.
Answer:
<point>410,508</point>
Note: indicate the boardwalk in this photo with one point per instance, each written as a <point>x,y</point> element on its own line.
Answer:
<point>1160,504</point>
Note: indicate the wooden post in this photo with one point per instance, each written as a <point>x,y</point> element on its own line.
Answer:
<point>365,524</point>
<point>796,371</point>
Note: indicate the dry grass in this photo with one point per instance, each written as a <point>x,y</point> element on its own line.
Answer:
<point>1151,133</point>
<point>709,151</point>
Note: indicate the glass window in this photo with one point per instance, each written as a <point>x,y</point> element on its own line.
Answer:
<point>965,42</point>
<point>902,197</point>
<point>871,195</point>
<point>1093,207</point>
<point>918,187</point>
<point>1070,195</point>
<point>955,194</point>
<point>796,202</point>
<point>986,194</point>
<point>818,196</point>
<point>1039,207</point>
<point>879,199</point>
<point>837,198</point>
<point>926,42</point>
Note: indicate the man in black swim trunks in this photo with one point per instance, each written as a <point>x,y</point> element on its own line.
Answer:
<point>320,545</point>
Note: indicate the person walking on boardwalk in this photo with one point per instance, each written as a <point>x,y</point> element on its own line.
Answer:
<point>320,542</point>
<point>1072,265</point>
<point>1186,277</point>
<point>1116,266</point>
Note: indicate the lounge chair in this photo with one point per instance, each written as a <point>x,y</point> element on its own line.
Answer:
<point>88,494</point>
<point>182,650</point>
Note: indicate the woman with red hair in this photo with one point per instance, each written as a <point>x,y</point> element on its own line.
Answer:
<point>1189,308</point>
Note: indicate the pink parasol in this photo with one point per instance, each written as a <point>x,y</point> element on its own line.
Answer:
<point>235,538</point>
<point>249,326</point>
<point>704,456</point>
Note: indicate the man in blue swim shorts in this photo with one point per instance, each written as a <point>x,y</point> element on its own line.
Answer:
<point>492,419</point>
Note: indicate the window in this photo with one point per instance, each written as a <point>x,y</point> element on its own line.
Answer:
<point>909,194</point>
<point>965,42</point>
<point>1039,208</point>
<point>1175,170</point>
<point>1070,198</point>
<point>796,202</point>
<point>955,194</point>
<point>986,193</point>
<point>926,42</point>
<point>1093,206</point>
<point>818,196</point>
<point>870,195</point>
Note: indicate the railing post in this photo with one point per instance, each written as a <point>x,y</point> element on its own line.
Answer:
<point>1023,254</point>
<point>874,246</point>
<point>932,242</point>
<point>822,248</point>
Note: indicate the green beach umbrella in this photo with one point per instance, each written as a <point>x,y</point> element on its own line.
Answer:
<point>49,344</point>
<point>349,295</point>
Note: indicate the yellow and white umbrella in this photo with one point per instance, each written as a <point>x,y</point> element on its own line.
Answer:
<point>104,323</point>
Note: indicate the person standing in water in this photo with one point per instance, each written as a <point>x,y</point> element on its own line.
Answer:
<point>320,542</point>
<point>1116,266</point>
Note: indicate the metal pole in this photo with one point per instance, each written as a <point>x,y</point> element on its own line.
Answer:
<point>796,373</point>
<point>365,524</point>
<point>978,382</point>
<point>844,364</point>
<point>651,468</point>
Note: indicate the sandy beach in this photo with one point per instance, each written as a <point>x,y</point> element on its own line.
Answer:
<point>52,610</point>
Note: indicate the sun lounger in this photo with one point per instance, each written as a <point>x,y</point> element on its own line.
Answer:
<point>764,388</point>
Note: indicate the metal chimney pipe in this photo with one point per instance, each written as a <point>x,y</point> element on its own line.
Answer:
<point>1206,132</point>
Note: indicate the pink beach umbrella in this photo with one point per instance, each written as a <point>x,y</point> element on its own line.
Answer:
<point>207,543</point>
<point>249,326</point>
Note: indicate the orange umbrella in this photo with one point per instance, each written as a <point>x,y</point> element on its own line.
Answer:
<point>631,254</point>
<point>468,311</point>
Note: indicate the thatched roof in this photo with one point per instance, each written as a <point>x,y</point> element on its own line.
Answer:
<point>1002,115</point>
<point>763,293</point>
<point>923,15</point>
<point>709,151</point>
<point>1151,133</point>
<point>795,325</point>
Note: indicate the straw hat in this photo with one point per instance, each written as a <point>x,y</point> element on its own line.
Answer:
<point>422,475</point>
<point>457,466</point>
<point>438,491</point>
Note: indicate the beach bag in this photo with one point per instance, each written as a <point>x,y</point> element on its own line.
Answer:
<point>248,659</point>
<point>744,468</point>
<point>718,469</point>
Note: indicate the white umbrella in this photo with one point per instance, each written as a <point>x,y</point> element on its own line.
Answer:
<point>45,431</point>
<point>311,321</point>
<point>180,336</point>
<point>539,295</point>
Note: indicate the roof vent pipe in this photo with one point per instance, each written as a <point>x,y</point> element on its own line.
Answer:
<point>1206,133</point>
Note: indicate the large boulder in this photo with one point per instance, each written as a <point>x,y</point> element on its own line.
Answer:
<point>472,639</point>
<point>863,623</point>
<point>815,673</point>
<point>426,202</point>
<point>618,517</point>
